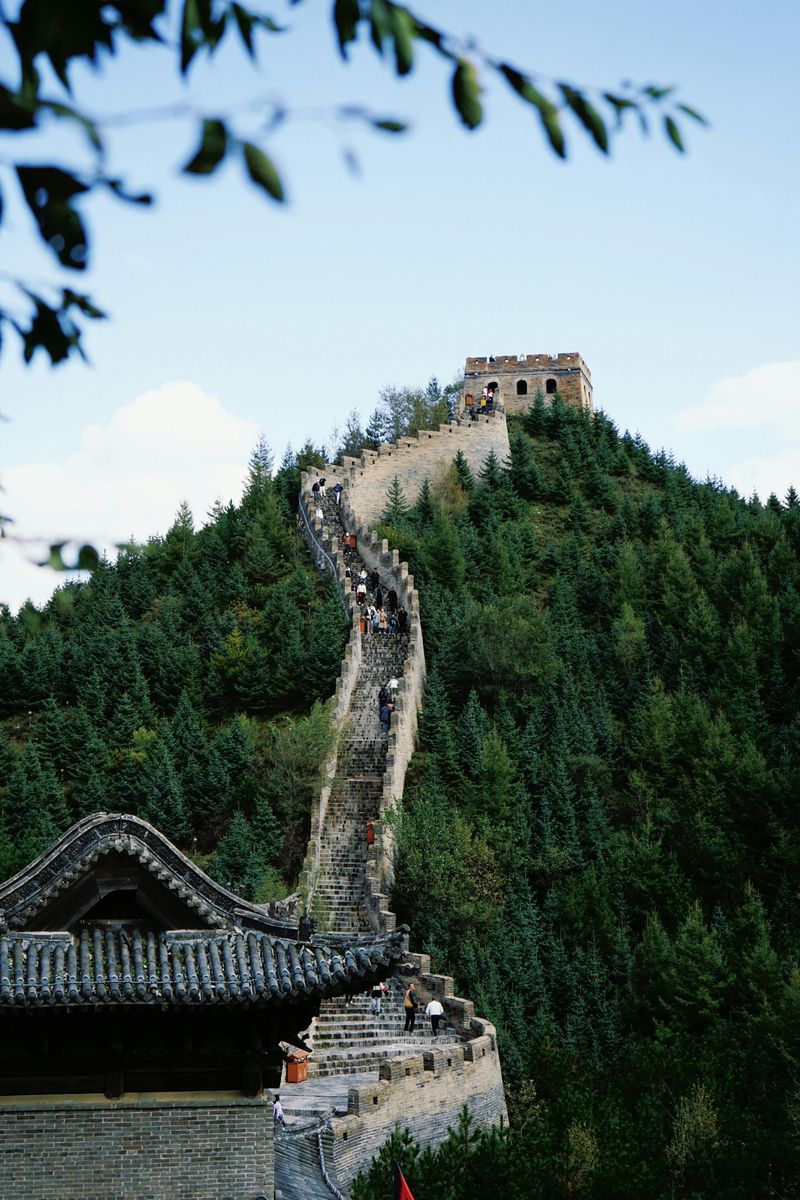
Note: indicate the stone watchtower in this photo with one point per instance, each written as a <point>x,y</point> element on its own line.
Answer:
<point>516,378</point>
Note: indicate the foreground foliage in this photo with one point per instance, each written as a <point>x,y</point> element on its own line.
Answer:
<point>600,838</point>
<point>43,39</point>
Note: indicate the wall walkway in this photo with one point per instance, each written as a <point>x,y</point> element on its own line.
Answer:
<point>413,1081</point>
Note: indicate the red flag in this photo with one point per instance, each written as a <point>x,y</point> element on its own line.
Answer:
<point>401,1189</point>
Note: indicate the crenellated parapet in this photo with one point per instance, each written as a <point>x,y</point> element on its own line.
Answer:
<point>516,378</point>
<point>423,1093</point>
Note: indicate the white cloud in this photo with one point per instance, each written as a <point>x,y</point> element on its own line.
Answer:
<point>126,480</point>
<point>767,473</point>
<point>768,397</point>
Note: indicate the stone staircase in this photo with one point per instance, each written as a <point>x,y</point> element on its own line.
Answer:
<point>352,1047</point>
<point>349,1039</point>
<point>356,794</point>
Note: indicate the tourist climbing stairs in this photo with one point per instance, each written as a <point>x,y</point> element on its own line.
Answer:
<point>358,788</point>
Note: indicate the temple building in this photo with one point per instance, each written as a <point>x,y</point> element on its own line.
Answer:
<point>142,1011</point>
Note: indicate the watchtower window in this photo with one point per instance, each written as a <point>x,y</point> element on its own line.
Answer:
<point>522,387</point>
<point>551,387</point>
<point>493,386</point>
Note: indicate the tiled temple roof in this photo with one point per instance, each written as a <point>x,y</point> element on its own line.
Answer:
<point>55,950</point>
<point>111,967</point>
<point>74,854</point>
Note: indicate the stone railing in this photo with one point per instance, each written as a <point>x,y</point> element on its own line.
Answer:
<point>310,532</point>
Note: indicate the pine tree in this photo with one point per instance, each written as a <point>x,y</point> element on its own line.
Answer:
<point>466,478</point>
<point>236,863</point>
<point>423,511</point>
<point>441,555</point>
<point>161,802</point>
<point>397,507</point>
<point>535,420</point>
<point>526,477</point>
<point>562,490</point>
<point>323,658</point>
<point>197,770</point>
<point>470,731</point>
<point>435,730</point>
<point>376,432</point>
<point>354,438</point>
<point>259,486</point>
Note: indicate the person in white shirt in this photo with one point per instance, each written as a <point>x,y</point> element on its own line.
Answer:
<point>277,1112</point>
<point>435,1011</point>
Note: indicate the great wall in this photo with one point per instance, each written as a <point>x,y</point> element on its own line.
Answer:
<point>365,1076</point>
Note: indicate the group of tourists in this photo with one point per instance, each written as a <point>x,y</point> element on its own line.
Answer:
<point>386,702</point>
<point>433,1010</point>
<point>380,611</point>
<point>485,403</point>
<point>318,493</point>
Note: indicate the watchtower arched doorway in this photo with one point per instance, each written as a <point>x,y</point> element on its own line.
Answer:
<point>551,387</point>
<point>522,387</point>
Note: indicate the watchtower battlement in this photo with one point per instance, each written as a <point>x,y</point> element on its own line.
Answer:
<point>515,379</point>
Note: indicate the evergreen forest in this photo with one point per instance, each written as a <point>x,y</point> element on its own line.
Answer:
<point>599,837</point>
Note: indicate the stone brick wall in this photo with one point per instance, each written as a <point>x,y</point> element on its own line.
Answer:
<point>135,1149</point>
<point>414,459</point>
<point>572,375</point>
<point>424,1094</point>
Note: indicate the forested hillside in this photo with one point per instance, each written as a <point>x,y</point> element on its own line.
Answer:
<point>180,684</point>
<point>601,836</point>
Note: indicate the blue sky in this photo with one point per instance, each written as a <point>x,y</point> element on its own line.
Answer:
<point>675,277</point>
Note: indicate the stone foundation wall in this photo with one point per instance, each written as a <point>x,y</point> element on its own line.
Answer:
<point>424,1094</point>
<point>89,1148</point>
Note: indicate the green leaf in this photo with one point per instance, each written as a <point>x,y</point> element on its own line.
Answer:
<point>71,299</point>
<point>403,30</point>
<point>16,111</point>
<point>262,171</point>
<point>191,33</point>
<point>244,21</point>
<point>346,15</point>
<point>548,112</point>
<point>467,94</point>
<point>657,93</point>
<point>212,148</point>
<point>49,192</point>
<point>434,37</point>
<point>693,113</point>
<point>587,114</point>
<point>54,558</point>
<point>88,559</point>
<point>62,32</point>
<point>380,23</point>
<point>620,105</point>
<point>674,134</point>
<point>119,190</point>
<point>389,126</point>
